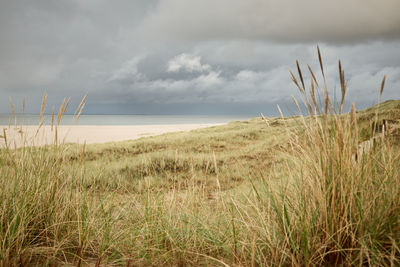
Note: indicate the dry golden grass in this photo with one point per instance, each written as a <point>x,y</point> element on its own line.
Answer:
<point>290,191</point>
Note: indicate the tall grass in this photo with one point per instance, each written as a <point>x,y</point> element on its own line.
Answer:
<point>342,203</point>
<point>329,194</point>
<point>42,208</point>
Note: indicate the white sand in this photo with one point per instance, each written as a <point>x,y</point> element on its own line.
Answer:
<point>88,133</point>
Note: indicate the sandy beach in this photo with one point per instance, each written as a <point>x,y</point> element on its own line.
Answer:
<point>89,134</point>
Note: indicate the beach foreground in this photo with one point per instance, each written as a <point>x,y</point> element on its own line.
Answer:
<point>274,192</point>
<point>88,134</point>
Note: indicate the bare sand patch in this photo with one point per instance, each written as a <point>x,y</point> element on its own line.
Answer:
<point>89,134</point>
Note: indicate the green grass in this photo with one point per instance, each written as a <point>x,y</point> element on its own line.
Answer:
<point>198,156</point>
<point>292,191</point>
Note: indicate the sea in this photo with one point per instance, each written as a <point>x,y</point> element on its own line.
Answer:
<point>29,119</point>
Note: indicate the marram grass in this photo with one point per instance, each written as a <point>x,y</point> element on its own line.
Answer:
<point>316,190</point>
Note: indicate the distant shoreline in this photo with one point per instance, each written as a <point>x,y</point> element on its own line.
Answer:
<point>90,134</point>
<point>122,119</point>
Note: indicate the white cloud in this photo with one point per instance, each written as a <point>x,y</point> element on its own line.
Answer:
<point>247,75</point>
<point>187,62</point>
<point>211,79</point>
<point>127,71</point>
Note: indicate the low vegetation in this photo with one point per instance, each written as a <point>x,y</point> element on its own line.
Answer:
<point>313,190</point>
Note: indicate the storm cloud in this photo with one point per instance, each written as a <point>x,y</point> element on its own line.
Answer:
<point>180,56</point>
<point>338,21</point>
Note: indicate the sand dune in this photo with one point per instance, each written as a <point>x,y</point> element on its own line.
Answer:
<point>87,133</point>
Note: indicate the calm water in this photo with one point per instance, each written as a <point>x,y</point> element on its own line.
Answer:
<point>124,119</point>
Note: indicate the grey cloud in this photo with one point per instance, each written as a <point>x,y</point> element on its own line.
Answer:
<point>272,83</point>
<point>64,48</point>
<point>238,53</point>
<point>338,21</point>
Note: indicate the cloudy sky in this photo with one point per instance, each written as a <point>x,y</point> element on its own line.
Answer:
<point>192,57</point>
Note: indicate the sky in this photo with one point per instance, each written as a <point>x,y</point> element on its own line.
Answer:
<point>192,57</point>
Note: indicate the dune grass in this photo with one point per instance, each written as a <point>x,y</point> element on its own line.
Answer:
<point>294,191</point>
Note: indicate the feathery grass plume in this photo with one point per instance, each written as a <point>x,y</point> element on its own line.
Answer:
<point>321,64</point>
<point>314,99</point>
<point>336,212</point>
<point>5,138</point>
<point>80,111</point>
<point>80,108</point>
<point>52,118</point>
<point>318,89</point>
<point>302,89</point>
<point>300,75</point>
<point>312,75</point>
<point>42,107</point>
<point>375,123</point>
<point>13,112</point>
<point>296,103</point>
<point>382,87</point>
<point>39,127</point>
<point>60,112</point>
<point>343,87</point>
<point>293,77</point>
<point>66,105</point>
<point>41,117</point>
<point>60,115</point>
<point>327,101</point>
